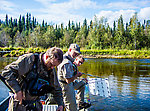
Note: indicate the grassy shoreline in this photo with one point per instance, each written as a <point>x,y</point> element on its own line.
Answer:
<point>87,53</point>
<point>116,57</point>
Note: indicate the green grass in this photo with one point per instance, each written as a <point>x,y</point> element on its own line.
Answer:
<point>107,53</point>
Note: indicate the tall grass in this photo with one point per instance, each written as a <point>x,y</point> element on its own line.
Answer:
<point>17,51</point>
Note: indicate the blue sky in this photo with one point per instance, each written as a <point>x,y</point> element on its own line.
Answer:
<point>61,11</point>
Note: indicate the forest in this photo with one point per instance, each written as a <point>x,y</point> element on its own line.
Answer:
<point>26,32</point>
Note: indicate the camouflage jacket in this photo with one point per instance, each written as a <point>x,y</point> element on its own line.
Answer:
<point>22,66</point>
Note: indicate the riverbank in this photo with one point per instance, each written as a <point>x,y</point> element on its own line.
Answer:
<point>116,57</point>
<point>87,53</point>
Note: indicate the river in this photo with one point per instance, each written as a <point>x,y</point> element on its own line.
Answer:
<point>129,81</point>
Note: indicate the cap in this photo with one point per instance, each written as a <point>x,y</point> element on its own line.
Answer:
<point>75,47</point>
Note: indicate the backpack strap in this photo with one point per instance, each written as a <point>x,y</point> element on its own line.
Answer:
<point>34,69</point>
<point>35,64</point>
<point>75,69</point>
<point>24,81</point>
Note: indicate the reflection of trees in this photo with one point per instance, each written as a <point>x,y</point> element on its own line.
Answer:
<point>120,70</point>
<point>134,84</point>
<point>5,61</point>
<point>120,84</point>
<point>100,67</point>
<point>104,68</point>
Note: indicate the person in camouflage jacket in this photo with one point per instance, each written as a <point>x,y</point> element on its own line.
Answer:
<point>22,68</point>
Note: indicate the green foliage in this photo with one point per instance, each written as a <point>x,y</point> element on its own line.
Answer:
<point>15,52</point>
<point>28,33</point>
<point>35,50</point>
<point>119,53</point>
<point>1,49</point>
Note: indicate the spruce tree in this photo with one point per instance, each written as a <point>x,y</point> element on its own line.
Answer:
<point>43,23</point>
<point>69,25</point>
<point>20,26</point>
<point>0,22</point>
<point>91,24</point>
<point>33,23</point>
<point>30,23</point>
<point>10,23</point>
<point>27,21</point>
<point>6,20</point>
<point>15,23</point>
<point>23,23</point>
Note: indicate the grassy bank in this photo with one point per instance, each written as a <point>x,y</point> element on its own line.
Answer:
<point>107,53</point>
<point>112,53</point>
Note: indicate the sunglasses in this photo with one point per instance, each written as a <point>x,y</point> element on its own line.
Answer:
<point>76,54</point>
<point>80,62</point>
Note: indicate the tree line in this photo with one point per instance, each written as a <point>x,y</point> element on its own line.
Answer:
<point>27,32</point>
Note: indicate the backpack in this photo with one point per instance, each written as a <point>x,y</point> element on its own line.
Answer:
<point>35,85</point>
<point>32,83</point>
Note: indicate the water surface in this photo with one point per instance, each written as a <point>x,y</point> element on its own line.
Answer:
<point>3,89</point>
<point>129,81</point>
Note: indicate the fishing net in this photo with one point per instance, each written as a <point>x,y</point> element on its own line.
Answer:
<point>97,88</point>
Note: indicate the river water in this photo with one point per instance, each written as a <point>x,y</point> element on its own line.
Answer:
<point>129,81</point>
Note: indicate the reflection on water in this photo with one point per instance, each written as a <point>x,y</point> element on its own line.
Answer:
<point>129,82</point>
<point>5,61</point>
<point>3,89</point>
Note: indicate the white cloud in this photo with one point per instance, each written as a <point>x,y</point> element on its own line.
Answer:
<point>141,3</point>
<point>7,6</point>
<point>121,5</point>
<point>114,15</point>
<point>63,12</point>
<point>45,2</point>
<point>67,6</point>
<point>60,19</point>
<point>2,17</point>
<point>144,14</point>
<point>80,4</point>
<point>125,5</point>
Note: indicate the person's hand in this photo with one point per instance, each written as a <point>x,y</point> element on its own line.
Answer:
<point>60,108</point>
<point>19,96</point>
<point>79,74</point>
<point>85,79</point>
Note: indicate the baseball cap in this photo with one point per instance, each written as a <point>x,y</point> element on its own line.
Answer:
<point>75,47</point>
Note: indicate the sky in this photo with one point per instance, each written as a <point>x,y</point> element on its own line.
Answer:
<point>61,11</point>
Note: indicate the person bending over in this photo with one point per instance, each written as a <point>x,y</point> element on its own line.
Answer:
<point>31,76</point>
